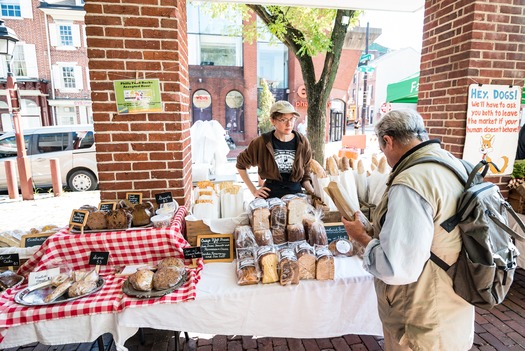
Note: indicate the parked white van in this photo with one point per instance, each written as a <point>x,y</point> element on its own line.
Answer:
<point>72,145</point>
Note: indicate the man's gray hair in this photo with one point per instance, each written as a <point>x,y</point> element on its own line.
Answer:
<point>402,125</point>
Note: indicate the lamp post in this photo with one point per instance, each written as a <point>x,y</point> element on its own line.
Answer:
<point>8,40</point>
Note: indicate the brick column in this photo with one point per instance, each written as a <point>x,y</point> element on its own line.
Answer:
<point>466,42</point>
<point>147,153</point>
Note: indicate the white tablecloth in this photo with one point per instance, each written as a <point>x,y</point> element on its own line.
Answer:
<point>312,309</point>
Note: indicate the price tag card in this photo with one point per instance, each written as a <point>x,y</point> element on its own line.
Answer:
<point>107,206</point>
<point>42,276</point>
<point>8,260</point>
<point>99,258</point>
<point>163,198</point>
<point>78,219</point>
<point>30,240</point>
<point>192,252</point>
<point>134,198</point>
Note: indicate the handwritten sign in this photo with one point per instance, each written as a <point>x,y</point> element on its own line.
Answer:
<point>9,260</point>
<point>99,258</point>
<point>216,247</point>
<point>78,219</point>
<point>134,198</point>
<point>31,240</point>
<point>335,231</point>
<point>163,198</point>
<point>107,206</point>
<point>493,120</point>
<point>192,252</point>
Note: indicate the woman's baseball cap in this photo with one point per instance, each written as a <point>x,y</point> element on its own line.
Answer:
<point>283,107</point>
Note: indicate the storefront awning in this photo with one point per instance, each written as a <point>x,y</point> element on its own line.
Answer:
<point>404,91</point>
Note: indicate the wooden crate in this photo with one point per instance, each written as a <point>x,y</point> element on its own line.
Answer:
<point>195,228</point>
<point>516,201</point>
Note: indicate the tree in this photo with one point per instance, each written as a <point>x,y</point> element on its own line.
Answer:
<point>307,32</point>
<point>266,101</point>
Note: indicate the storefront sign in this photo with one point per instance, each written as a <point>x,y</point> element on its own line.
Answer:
<point>138,96</point>
<point>492,125</point>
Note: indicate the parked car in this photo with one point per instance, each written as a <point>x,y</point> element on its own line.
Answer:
<point>72,145</point>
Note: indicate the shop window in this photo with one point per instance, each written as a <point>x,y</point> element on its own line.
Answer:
<point>234,112</point>
<point>52,142</point>
<point>201,106</point>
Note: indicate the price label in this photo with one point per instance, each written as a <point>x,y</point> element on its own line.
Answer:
<point>78,218</point>
<point>107,206</point>
<point>99,258</point>
<point>216,248</point>
<point>163,198</point>
<point>192,252</point>
<point>134,198</point>
<point>9,260</point>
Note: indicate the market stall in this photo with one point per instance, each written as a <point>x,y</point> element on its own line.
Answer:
<point>213,301</point>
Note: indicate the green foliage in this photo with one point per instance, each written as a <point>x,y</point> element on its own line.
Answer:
<point>519,169</point>
<point>266,101</point>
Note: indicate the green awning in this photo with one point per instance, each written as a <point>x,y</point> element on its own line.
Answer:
<point>404,91</point>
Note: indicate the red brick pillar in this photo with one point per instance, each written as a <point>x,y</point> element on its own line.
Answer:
<point>466,42</point>
<point>149,152</point>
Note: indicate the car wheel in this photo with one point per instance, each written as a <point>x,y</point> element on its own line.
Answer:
<point>82,181</point>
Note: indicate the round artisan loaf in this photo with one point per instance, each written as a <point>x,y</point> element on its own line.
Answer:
<point>166,277</point>
<point>97,220</point>
<point>142,280</point>
<point>171,262</point>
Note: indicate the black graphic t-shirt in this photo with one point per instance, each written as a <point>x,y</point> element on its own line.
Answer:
<point>284,156</point>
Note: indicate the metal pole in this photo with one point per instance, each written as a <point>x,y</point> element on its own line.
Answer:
<point>24,169</point>
<point>365,76</point>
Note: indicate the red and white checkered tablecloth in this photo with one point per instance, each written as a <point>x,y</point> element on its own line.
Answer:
<point>130,247</point>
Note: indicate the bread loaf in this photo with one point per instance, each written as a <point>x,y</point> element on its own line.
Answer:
<point>289,272</point>
<point>58,291</point>
<point>247,273</point>
<point>306,260</point>
<point>172,262</point>
<point>295,232</point>
<point>260,219</point>
<point>317,234</point>
<point>278,223</point>
<point>142,280</point>
<point>97,220</point>
<point>81,288</point>
<point>267,258</point>
<point>118,219</point>
<point>263,237</point>
<point>341,247</point>
<point>331,167</point>
<point>296,210</point>
<point>166,277</point>
<point>325,268</point>
<point>317,169</point>
<point>244,236</point>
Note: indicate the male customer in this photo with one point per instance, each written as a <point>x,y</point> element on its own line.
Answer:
<point>417,304</point>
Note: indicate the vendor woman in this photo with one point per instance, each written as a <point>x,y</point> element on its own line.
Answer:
<point>281,155</point>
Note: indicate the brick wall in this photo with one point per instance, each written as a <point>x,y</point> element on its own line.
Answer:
<point>147,153</point>
<point>466,42</point>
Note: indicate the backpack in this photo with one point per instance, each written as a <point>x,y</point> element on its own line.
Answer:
<point>485,268</point>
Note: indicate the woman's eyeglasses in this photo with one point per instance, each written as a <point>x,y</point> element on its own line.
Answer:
<point>286,121</point>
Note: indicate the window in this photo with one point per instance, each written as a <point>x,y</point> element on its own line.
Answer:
<point>83,140</point>
<point>11,10</point>
<point>65,35</point>
<point>8,146</point>
<point>68,77</point>
<point>19,62</point>
<point>52,142</point>
<point>234,112</point>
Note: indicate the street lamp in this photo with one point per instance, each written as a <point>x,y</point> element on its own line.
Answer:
<point>8,41</point>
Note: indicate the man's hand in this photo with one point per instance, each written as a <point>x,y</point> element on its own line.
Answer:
<point>356,230</point>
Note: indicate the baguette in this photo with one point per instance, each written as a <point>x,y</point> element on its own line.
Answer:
<point>317,169</point>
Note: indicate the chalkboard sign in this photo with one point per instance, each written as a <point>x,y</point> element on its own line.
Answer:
<point>9,260</point>
<point>134,198</point>
<point>163,198</point>
<point>107,206</point>
<point>335,231</point>
<point>31,240</point>
<point>78,219</point>
<point>216,247</point>
<point>99,258</point>
<point>192,252</point>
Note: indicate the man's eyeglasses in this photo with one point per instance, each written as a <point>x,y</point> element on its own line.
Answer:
<point>286,121</point>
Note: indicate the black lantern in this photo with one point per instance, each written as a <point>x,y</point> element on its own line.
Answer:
<point>8,41</point>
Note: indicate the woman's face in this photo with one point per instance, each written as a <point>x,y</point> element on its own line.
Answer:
<point>285,123</point>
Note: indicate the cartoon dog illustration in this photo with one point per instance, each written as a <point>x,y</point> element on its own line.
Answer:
<point>486,148</point>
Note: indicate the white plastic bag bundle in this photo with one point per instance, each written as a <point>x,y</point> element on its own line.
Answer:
<point>377,182</point>
<point>361,182</point>
<point>232,199</point>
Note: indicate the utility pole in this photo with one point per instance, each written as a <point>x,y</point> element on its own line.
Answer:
<point>365,76</point>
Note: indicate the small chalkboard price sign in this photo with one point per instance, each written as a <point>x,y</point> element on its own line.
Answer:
<point>163,198</point>
<point>216,247</point>
<point>134,198</point>
<point>335,231</point>
<point>78,219</point>
<point>107,206</point>
<point>8,260</point>
<point>99,258</point>
<point>31,240</point>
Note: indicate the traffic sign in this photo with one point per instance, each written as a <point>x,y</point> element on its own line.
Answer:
<point>367,69</point>
<point>385,107</point>
<point>365,57</point>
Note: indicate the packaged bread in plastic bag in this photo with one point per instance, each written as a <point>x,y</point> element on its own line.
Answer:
<point>259,214</point>
<point>325,265</point>
<point>247,269</point>
<point>268,261</point>
<point>316,231</point>
<point>288,265</point>
<point>243,236</point>
<point>278,211</point>
<point>341,247</point>
<point>306,258</point>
